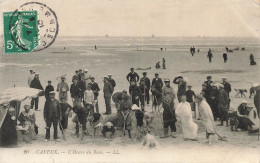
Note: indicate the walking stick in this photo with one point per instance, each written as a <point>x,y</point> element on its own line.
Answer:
<point>63,134</point>
<point>144,98</point>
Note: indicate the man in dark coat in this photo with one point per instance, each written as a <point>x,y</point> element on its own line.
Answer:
<point>210,55</point>
<point>157,90</point>
<point>132,76</point>
<point>223,101</point>
<point>208,87</point>
<point>37,85</point>
<point>257,98</point>
<point>227,88</point>
<point>65,108</point>
<point>169,117</point>
<point>225,57</point>
<point>76,75</point>
<point>147,86</point>
<point>48,89</point>
<point>134,92</point>
<point>95,88</point>
<point>75,91</point>
<point>112,81</point>
<point>82,88</point>
<point>52,115</point>
<point>107,90</point>
<point>213,100</point>
<point>182,86</point>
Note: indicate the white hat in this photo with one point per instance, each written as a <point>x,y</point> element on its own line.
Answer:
<point>109,75</point>
<point>135,107</point>
<point>86,70</point>
<point>255,84</point>
<point>244,101</point>
<point>36,73</point>
<point>52,92</point>
<point>223,77</point>
<point>109,124</point>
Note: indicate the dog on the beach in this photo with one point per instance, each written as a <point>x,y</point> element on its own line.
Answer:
<point>233,120</point>
<point>240,92</point>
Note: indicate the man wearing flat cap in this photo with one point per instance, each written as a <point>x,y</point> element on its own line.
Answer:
<point>52,116</point>
<point>63,89</point>
<point>48,89</point>
<point>147,85</point>
<point>107,90</point>
<point>37,85</point>
<point>227,86</point>
<point>132,76</point>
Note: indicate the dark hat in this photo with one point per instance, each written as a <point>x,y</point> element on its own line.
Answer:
<point>105,77</point>
<point>203,84</point>
<point>91,77</point>
<point>75,78</point>
<point>144,72</point>
<point>156,74</point>
<point>124,91</point>
<point>209,77</point>
<point>63,77</point>
<point>132,68</point>
<point>189,86</point>
<point>77,71</point>
<point>49,81</point>
<point>80,69</point>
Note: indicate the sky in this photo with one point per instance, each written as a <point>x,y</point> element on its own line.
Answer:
<point>165,18</point>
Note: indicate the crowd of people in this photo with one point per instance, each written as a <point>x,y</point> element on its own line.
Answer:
<point>213,104</point>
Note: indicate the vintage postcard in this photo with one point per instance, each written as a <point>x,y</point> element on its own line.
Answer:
<point>130,81</point>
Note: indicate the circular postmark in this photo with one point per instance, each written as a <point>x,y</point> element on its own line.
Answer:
<point>47,21</point>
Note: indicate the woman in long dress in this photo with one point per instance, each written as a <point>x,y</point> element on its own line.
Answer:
<point>206,117</point>
<point>184,116</point>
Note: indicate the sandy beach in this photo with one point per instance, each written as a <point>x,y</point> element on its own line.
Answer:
<point>116,55</point>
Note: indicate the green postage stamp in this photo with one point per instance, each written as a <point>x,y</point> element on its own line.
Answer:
<point>20,31</point>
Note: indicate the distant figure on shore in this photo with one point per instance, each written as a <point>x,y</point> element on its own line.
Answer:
<point>225,57</point>
<point>157,66</point>
<point>164,65</point>
<point>210,55</point>
<point>192,50</point>
<point>252,60</point>
<point>95,47</point>
<point>198,50</point>
<point>161,49</point>
<point>226,49</point>
<point>64,48</point>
